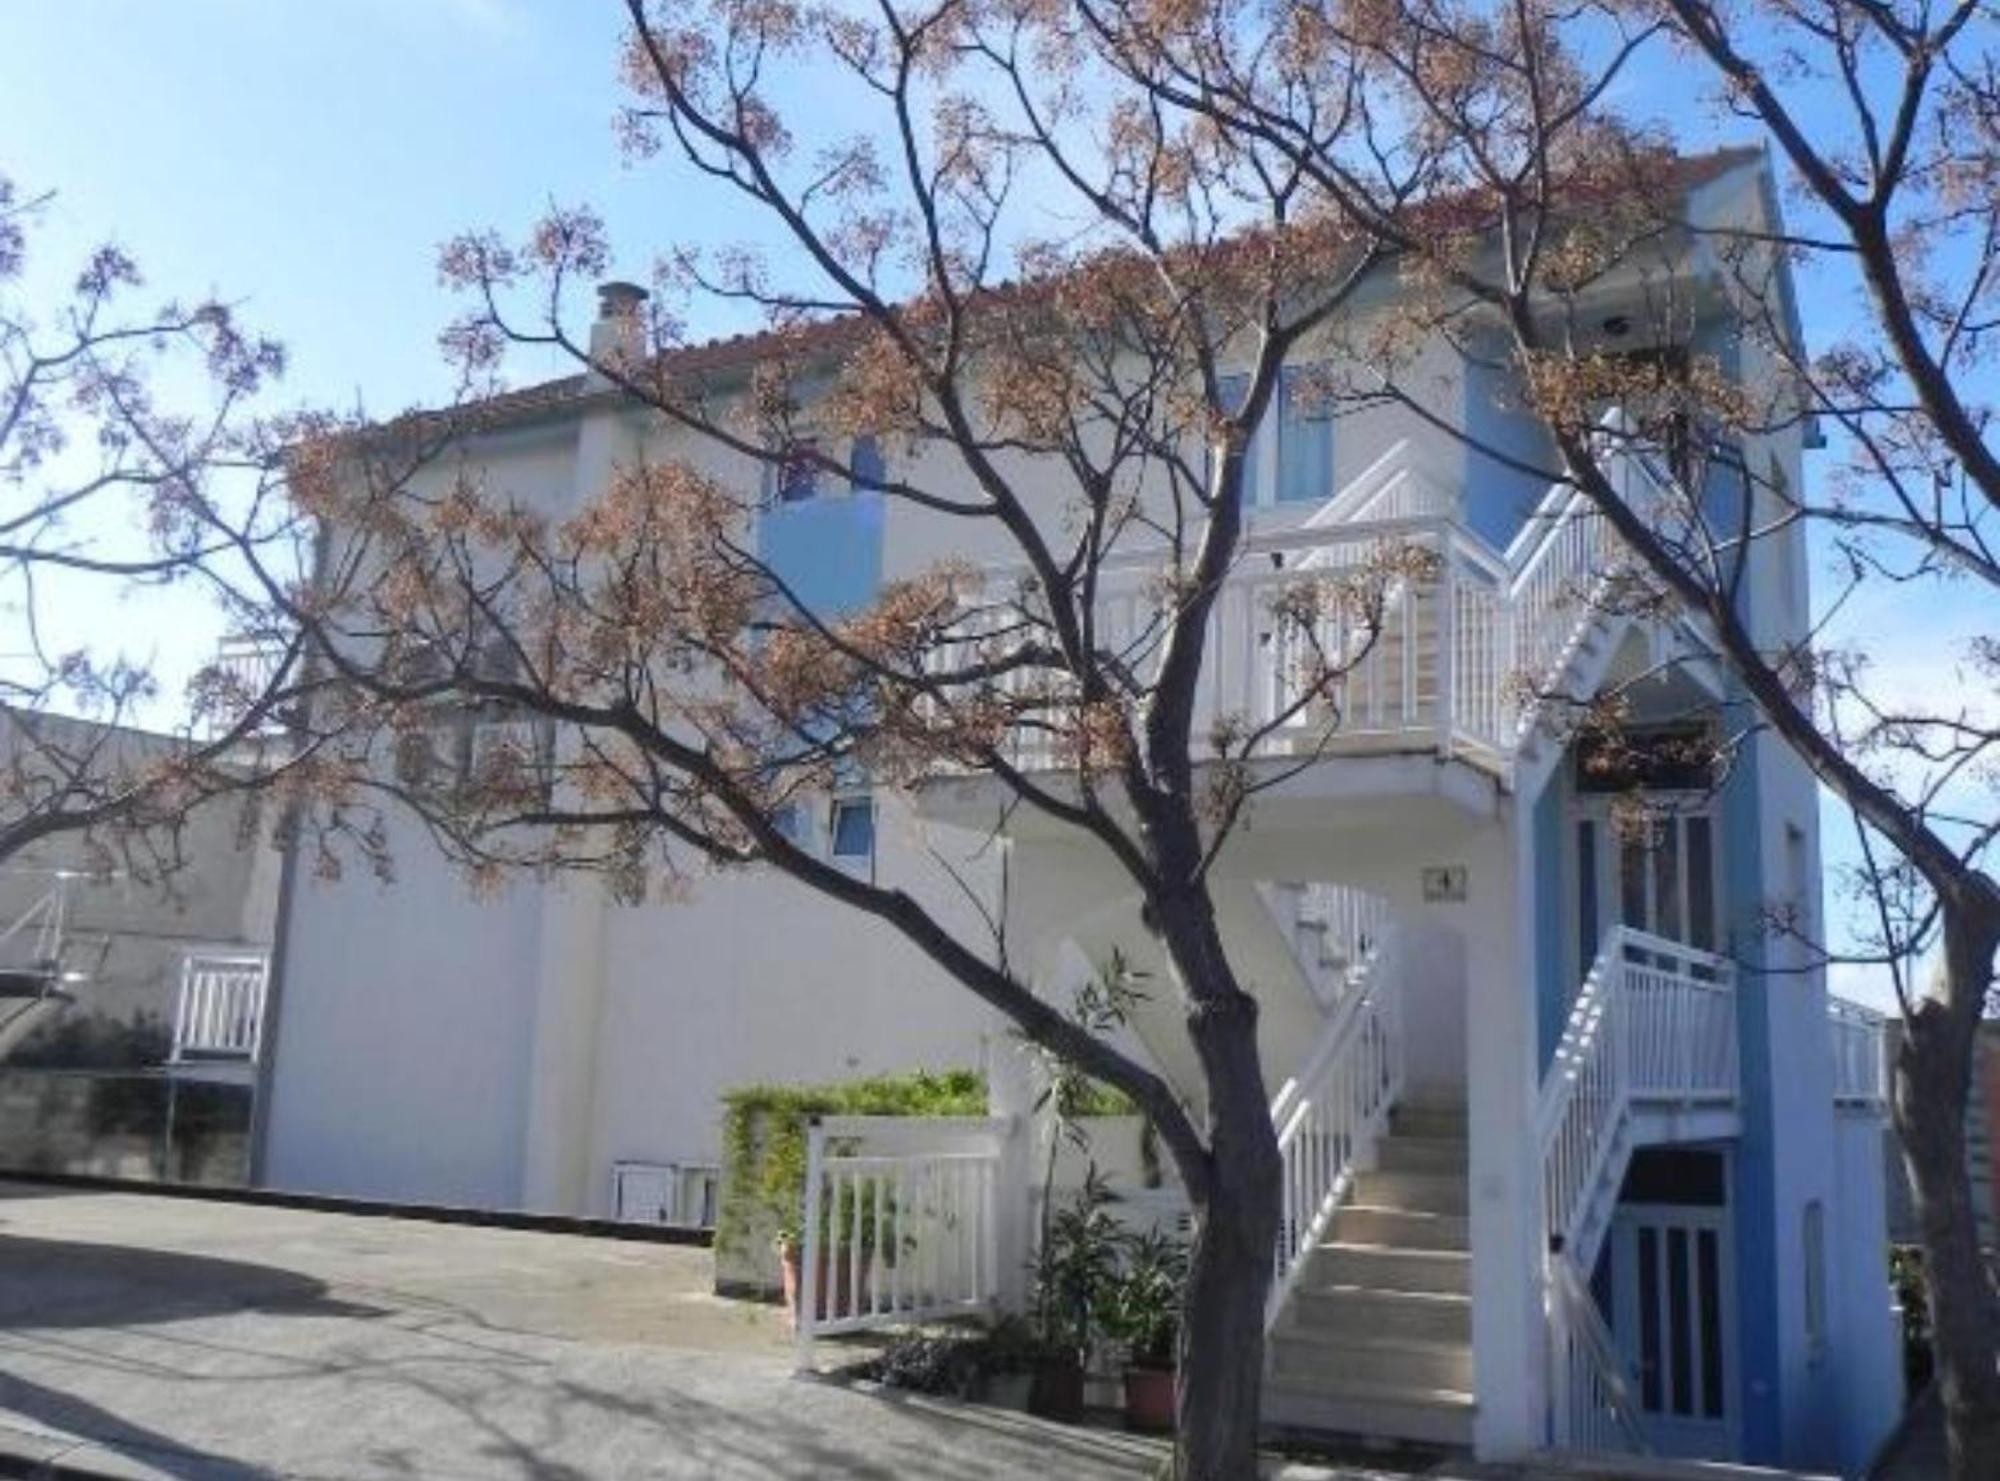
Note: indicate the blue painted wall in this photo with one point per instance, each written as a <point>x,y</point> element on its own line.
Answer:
<point>1498,496</point>
<point>827,549</point>
<point>1753,1194</point>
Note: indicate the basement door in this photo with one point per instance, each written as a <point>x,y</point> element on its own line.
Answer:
<point>1672,1290</point>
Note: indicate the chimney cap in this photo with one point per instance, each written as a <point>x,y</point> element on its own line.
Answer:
<point>618,300</point>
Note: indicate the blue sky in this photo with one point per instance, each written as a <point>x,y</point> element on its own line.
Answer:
<point>305,160</point>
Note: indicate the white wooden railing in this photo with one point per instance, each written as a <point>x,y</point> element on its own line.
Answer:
<point>1654,1026</point>
<point>900,1223</point>
<point>1860,1054</point>
<point>1330,1114</point>
<point>220,1011</point>
<point>1654,1023</point>
<point>1593,1408</point>
<point>1333,930</point>
<point>1445,662</point>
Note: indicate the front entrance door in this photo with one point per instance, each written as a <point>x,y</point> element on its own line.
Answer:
<point>1656,875</point>
<point>1671,1289</point>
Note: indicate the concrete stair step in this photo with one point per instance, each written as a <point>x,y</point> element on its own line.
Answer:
<point>1407,1229</point>
<point>1387,1268</point>
<point>1422,1192</point>
<point>1428,1119</point>
<point>1332,1360</point>
<point>1428,1154</point>
<point>1415,1316</point>
<point>1435,1417</point>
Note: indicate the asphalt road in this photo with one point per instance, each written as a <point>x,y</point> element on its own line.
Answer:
<point>149,1336</point>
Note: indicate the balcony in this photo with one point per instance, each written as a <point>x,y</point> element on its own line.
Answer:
<point>1435,636</point>
<point>1860,1056</point>
<point>219,1014</point>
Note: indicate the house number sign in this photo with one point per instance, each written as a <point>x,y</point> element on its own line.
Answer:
<point>1444,884</point>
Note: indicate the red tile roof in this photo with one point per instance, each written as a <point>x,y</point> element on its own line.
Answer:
<point>572,392</point>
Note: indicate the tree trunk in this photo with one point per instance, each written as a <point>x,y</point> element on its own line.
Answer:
<point>1218,1393</point>
<point>1236,1210</point>
<point>1934,1071</point>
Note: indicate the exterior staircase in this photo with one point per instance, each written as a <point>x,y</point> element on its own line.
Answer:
<point>1377,1338</point>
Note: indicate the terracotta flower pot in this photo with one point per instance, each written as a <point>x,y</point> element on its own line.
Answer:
<point>1149,1398</point>
<point>832,1291</point>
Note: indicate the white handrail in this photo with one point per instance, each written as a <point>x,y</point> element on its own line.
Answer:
<point>1595,1410</point>
<point>1330,1114</point>
<point>1654,1023</point>
<point>47,916</point>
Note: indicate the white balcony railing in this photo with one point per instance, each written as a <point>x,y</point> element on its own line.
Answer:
<point>1459,632</point>
<point>1860,1054</point>
<point>220,1012</point>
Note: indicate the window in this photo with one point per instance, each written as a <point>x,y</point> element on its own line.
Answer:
<point>1305,434</point>
<point>1813,1238</point>
<point>1233,389</point>
<point>790,819</point>
<point>853,828</point>
<point>865,469</point>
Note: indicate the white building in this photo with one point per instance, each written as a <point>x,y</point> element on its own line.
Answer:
<point>1493,1022</point>
<point>133,958</point>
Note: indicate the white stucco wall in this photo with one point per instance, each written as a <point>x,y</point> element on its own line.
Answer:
<point>1865,1370</point>
<point>403,1033</point>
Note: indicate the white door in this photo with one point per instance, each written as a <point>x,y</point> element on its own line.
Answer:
<point>1659,876</point>
<point>1672,1292</point>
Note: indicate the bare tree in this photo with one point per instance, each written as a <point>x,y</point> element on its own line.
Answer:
<point>110,484</point>
<point>1885,116</point>
<point>1078,406</point>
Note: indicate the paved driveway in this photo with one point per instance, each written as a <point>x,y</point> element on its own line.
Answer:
<point>154,1336</point>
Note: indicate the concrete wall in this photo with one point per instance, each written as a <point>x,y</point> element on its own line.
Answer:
<point>130,924</point>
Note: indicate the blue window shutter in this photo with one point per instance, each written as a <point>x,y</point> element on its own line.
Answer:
<point>1233,389</point>
<point>864,463</point>
<point>1305,437</point>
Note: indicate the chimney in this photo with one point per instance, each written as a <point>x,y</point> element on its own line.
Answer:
<point>618,338</point>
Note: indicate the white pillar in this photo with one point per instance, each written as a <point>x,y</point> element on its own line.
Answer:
<point>1509,1344</point>
<point>562,1068</point>
<point>1010,1092</point>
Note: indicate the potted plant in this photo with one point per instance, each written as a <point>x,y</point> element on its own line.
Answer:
<point>1074,1273</point>
<point>846,1265</point>
<point>1006,1359</point>
<point>1144,1314</point>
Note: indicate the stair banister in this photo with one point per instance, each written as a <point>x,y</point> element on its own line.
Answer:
<point>1329,1115</point>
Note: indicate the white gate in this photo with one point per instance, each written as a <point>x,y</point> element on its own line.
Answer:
<point>900,1222</point>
